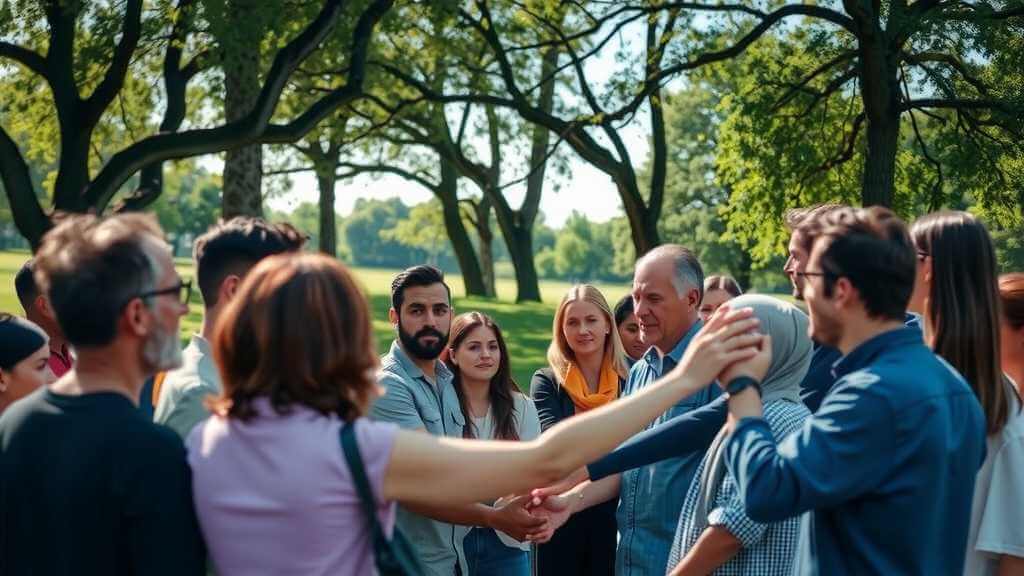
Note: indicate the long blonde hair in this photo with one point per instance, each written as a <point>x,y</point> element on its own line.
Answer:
<point>560,355</point>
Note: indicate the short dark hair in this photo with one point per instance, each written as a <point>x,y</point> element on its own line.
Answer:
<point>422,275</point>
<point>885,280</point>
<point>305,321</point>
<point>805,221</point>
<point>91,267</point>
<point>235,246</point>
<point>25,285</point>
<point>623,308</point>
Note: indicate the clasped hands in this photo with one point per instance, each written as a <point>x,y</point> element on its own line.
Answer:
<point>727,347</point>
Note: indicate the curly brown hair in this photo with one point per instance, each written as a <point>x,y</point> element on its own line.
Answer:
<point>297,332</point>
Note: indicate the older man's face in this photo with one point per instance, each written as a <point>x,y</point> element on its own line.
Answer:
<point>663,314</point>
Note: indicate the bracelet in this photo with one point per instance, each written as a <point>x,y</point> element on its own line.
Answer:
<point>741,383</point>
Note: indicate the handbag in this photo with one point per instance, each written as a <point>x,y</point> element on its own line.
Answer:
<point>394,557</point>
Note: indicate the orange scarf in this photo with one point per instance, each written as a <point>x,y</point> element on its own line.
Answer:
<point>607,388</point>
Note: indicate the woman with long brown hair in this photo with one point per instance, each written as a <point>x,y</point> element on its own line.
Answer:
<point>494,409</point>
<point>586,368</point>
<point>957,296</point>
<point>271,487</point>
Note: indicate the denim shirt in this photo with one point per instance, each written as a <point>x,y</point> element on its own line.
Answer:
<point>651,497</point>
<point>887,464</point>
<point>414,402</point>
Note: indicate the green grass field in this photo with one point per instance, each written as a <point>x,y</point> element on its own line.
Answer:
<point>527,327</point>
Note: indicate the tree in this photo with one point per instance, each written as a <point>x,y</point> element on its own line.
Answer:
<point>369,247</point>
<point>81,58</point>
<point>424,229</point>
<point>189,205</point>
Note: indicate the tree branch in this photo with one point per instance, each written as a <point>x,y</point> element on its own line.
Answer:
<point>29,217</point>
<point>253,127</point>
<point>113,80</point>
<point>27,58</point>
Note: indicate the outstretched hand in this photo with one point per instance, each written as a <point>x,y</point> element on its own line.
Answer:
<point>728,337</point>
<point>555,509</point>
<point>754,367</point>
<point>512,518</point>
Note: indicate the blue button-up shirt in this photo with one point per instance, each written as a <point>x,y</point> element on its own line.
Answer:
<point>887,464</point>
<point>414,402</point>
<point>651,497</point>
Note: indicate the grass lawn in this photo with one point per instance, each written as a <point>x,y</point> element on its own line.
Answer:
<point>527,327</point>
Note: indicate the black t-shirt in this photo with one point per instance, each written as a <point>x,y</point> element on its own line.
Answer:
<point>89,487</point>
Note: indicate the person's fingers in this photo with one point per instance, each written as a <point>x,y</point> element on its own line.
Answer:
<point>546,491</point>
<point>726,315</point>
<point>739,355</point>
<point>744,340</point>
<point>739,327</point>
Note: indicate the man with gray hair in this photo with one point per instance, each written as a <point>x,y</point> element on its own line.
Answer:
<point>668,286</point>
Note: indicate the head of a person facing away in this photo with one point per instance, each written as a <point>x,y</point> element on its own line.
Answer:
<point>228,250</point>
<point>668,286</point>
<point>298,332</point>
<point>1011,326</point>
<point>478,356</point>
<point>24,359</point>
<point>851,298</point>
<point>629,328</point>
<point>584,327</point>
<point>956,293</point>
<point>718,289</point>
<point>112,285</point>
<point>799,247</point>
<point>421,312</point>
<point>34,301</point>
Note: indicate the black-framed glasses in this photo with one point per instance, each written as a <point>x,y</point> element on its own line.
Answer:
<point>183,290</point>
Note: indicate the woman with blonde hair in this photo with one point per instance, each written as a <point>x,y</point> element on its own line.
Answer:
<point>289,477</point>
<point>587,366</point>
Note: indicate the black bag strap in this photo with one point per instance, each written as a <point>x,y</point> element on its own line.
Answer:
<point>358,472</point>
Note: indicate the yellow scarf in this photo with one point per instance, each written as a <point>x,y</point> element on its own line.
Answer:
<point>607,388</point>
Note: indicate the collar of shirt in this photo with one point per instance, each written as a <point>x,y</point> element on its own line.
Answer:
<point>442,373</point>
<point>870,349</point>
<point>654,359</point>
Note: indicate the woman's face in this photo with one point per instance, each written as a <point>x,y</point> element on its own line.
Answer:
<point>26,376</point>
<point>712,300</point>
<point>922,284</point>
<point>629,333</point>
<point>585,328</point>
<point>478,355</point>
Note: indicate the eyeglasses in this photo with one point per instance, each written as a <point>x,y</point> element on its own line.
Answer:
<point>183,290</point>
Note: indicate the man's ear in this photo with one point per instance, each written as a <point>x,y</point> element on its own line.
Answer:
<point>228,288</point>
<point>843,293</point>
<point>693,298</point>
<point>136,318</point>
<point>393,317</point>
<point>3,382</point>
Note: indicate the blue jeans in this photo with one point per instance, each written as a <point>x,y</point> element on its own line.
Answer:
<point>488,556</point>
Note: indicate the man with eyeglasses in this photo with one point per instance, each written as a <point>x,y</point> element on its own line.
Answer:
<point>223,256</point>
<point>79,465</point>
<point>887,464</point>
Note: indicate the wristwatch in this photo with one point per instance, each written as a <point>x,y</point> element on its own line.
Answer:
<point>741,383</point>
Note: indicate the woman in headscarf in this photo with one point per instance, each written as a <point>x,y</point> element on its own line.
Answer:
<point>714,533</point>
<point>24,352</point>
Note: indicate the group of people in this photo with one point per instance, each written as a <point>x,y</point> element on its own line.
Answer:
<point>691,429</point>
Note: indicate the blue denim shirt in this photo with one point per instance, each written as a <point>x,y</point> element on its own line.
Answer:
<point>887,464</point>
<point>413,402</point>
<point>651,497</point>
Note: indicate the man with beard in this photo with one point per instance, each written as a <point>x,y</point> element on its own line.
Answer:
<point>223,256</point>
<point>887,464</point>
<point>419,395</point>
<point>88,486</point>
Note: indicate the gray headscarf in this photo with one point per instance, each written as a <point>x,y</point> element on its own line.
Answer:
<point>791,357</point>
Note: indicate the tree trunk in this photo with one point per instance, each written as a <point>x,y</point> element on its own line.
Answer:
<point>446,192</point>
<point>643,228</point>
<point>325,180</point>
<point>880,162</point>
<point>243,167</point>
<point>520,249</point>
<point>485,247</point>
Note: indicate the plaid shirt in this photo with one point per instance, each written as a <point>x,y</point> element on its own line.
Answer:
<point>768,549</point>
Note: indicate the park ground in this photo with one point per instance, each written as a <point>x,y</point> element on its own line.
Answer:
<point>526,326</point>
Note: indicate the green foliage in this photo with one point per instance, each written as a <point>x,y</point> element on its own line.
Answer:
<point>422,229</point>
<point>189,205</point>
